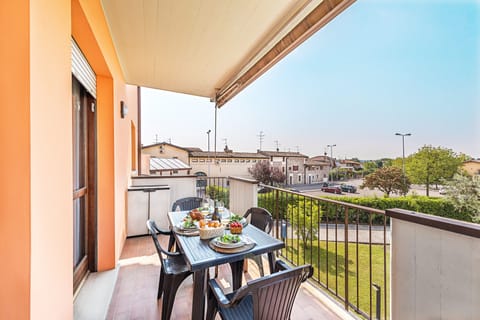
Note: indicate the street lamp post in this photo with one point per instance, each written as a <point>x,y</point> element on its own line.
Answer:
<point>403,135</point>
<point>331,158</point>
<point>208,157</point>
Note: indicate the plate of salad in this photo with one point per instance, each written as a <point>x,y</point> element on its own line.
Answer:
<point>229,241</point>
<point>187,224</point>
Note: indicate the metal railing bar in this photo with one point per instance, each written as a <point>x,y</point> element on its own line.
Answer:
<point>370,261</point>
<point>345,231</point>
<point>356,261</point>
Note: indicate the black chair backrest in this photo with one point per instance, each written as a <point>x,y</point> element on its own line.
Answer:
<point>154,230</point>
<point>188,203</point>
<point>260,218</point>
<point>273,296</point>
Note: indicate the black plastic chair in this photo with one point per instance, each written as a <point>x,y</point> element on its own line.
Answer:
<point>262,219</point>
<point>184,204</point>
<point>265,298</point>
<point>173,271</point>
<point>188,203</point>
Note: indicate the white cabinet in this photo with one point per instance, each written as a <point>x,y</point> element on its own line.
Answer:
<point>144,203</point>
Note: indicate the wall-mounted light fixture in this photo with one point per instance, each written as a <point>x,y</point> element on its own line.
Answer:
<point>123,109</point>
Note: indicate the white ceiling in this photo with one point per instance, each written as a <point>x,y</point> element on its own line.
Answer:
<point>199,47</point>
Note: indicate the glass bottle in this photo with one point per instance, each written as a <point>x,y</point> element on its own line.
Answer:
<point>216,215</point>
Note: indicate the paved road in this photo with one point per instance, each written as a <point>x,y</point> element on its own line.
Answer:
<point>376,237</point>
<point>314,189</point>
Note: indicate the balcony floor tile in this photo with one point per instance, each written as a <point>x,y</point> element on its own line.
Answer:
<point>136,288</point>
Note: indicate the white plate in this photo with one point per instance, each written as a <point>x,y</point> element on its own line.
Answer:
<point>220,244</point>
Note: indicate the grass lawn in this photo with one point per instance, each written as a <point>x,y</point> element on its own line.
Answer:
<point>332,274</point>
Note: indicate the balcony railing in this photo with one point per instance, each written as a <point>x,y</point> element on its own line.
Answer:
<point>348,245</point>
<point>434,259</point>
<point>215,188</point>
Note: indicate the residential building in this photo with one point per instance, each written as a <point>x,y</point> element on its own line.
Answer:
<point>168,150</point>
<point>292,164</point>
<point>216,164</point>
<point>354,165</point>
<point>472,167</point>
<point>316,171</point>
<point>224,164</point>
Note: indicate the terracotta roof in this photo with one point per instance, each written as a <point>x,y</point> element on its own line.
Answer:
<point>473,160</point>
<point>282,154</point>
<point>211,154</point>
<point>311,162</point>
<point>168,144</point>
<point>320,158</point>
<point>351,162</point>
<point>192,149</point>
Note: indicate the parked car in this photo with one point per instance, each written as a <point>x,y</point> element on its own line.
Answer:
<point>265,190</point>
<point>348,188</point>
<point>295,190</point>
<point>332,189</point>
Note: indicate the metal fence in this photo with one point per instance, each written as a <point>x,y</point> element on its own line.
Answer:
<point>215,188</point>
<point>347,244</point>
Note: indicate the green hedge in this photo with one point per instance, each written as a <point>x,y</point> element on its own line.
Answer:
<point>435,206</point>
<point>219,194</point>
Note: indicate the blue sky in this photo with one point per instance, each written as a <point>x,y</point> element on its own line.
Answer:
<point>380,67</point>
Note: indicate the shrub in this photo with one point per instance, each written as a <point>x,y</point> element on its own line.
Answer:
<point>434,206</point>
<point>305,218</point>
<point>219,194</point>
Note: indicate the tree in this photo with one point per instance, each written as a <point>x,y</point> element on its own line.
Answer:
<point>463,192</point>
<point>305,218</point>
<point>431,165</point>
<point>266,174</point>
<point>387,180</point>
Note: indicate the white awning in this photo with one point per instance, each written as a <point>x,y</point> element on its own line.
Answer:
<point>210,48</point>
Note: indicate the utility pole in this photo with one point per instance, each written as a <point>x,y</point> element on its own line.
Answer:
<point>260,136</point>
<point>156,138</point>
<point>331,157</point>
<point>403,135</point>
<point>208,144</point>
<point>277,145</point>
<point>225,141</point>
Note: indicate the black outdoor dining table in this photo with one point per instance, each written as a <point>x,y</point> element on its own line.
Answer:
<point>199,257</point>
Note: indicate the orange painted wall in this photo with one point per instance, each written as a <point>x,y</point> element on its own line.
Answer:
<point>51,160</point>
<point>36,135</point>
<point>91,32</point>
<point>15,161</point>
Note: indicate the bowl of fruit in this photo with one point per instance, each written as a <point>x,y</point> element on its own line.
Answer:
<point>236,227</point>
<point>210,229</point>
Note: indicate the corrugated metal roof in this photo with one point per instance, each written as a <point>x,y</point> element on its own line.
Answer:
<point>163,164</point>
